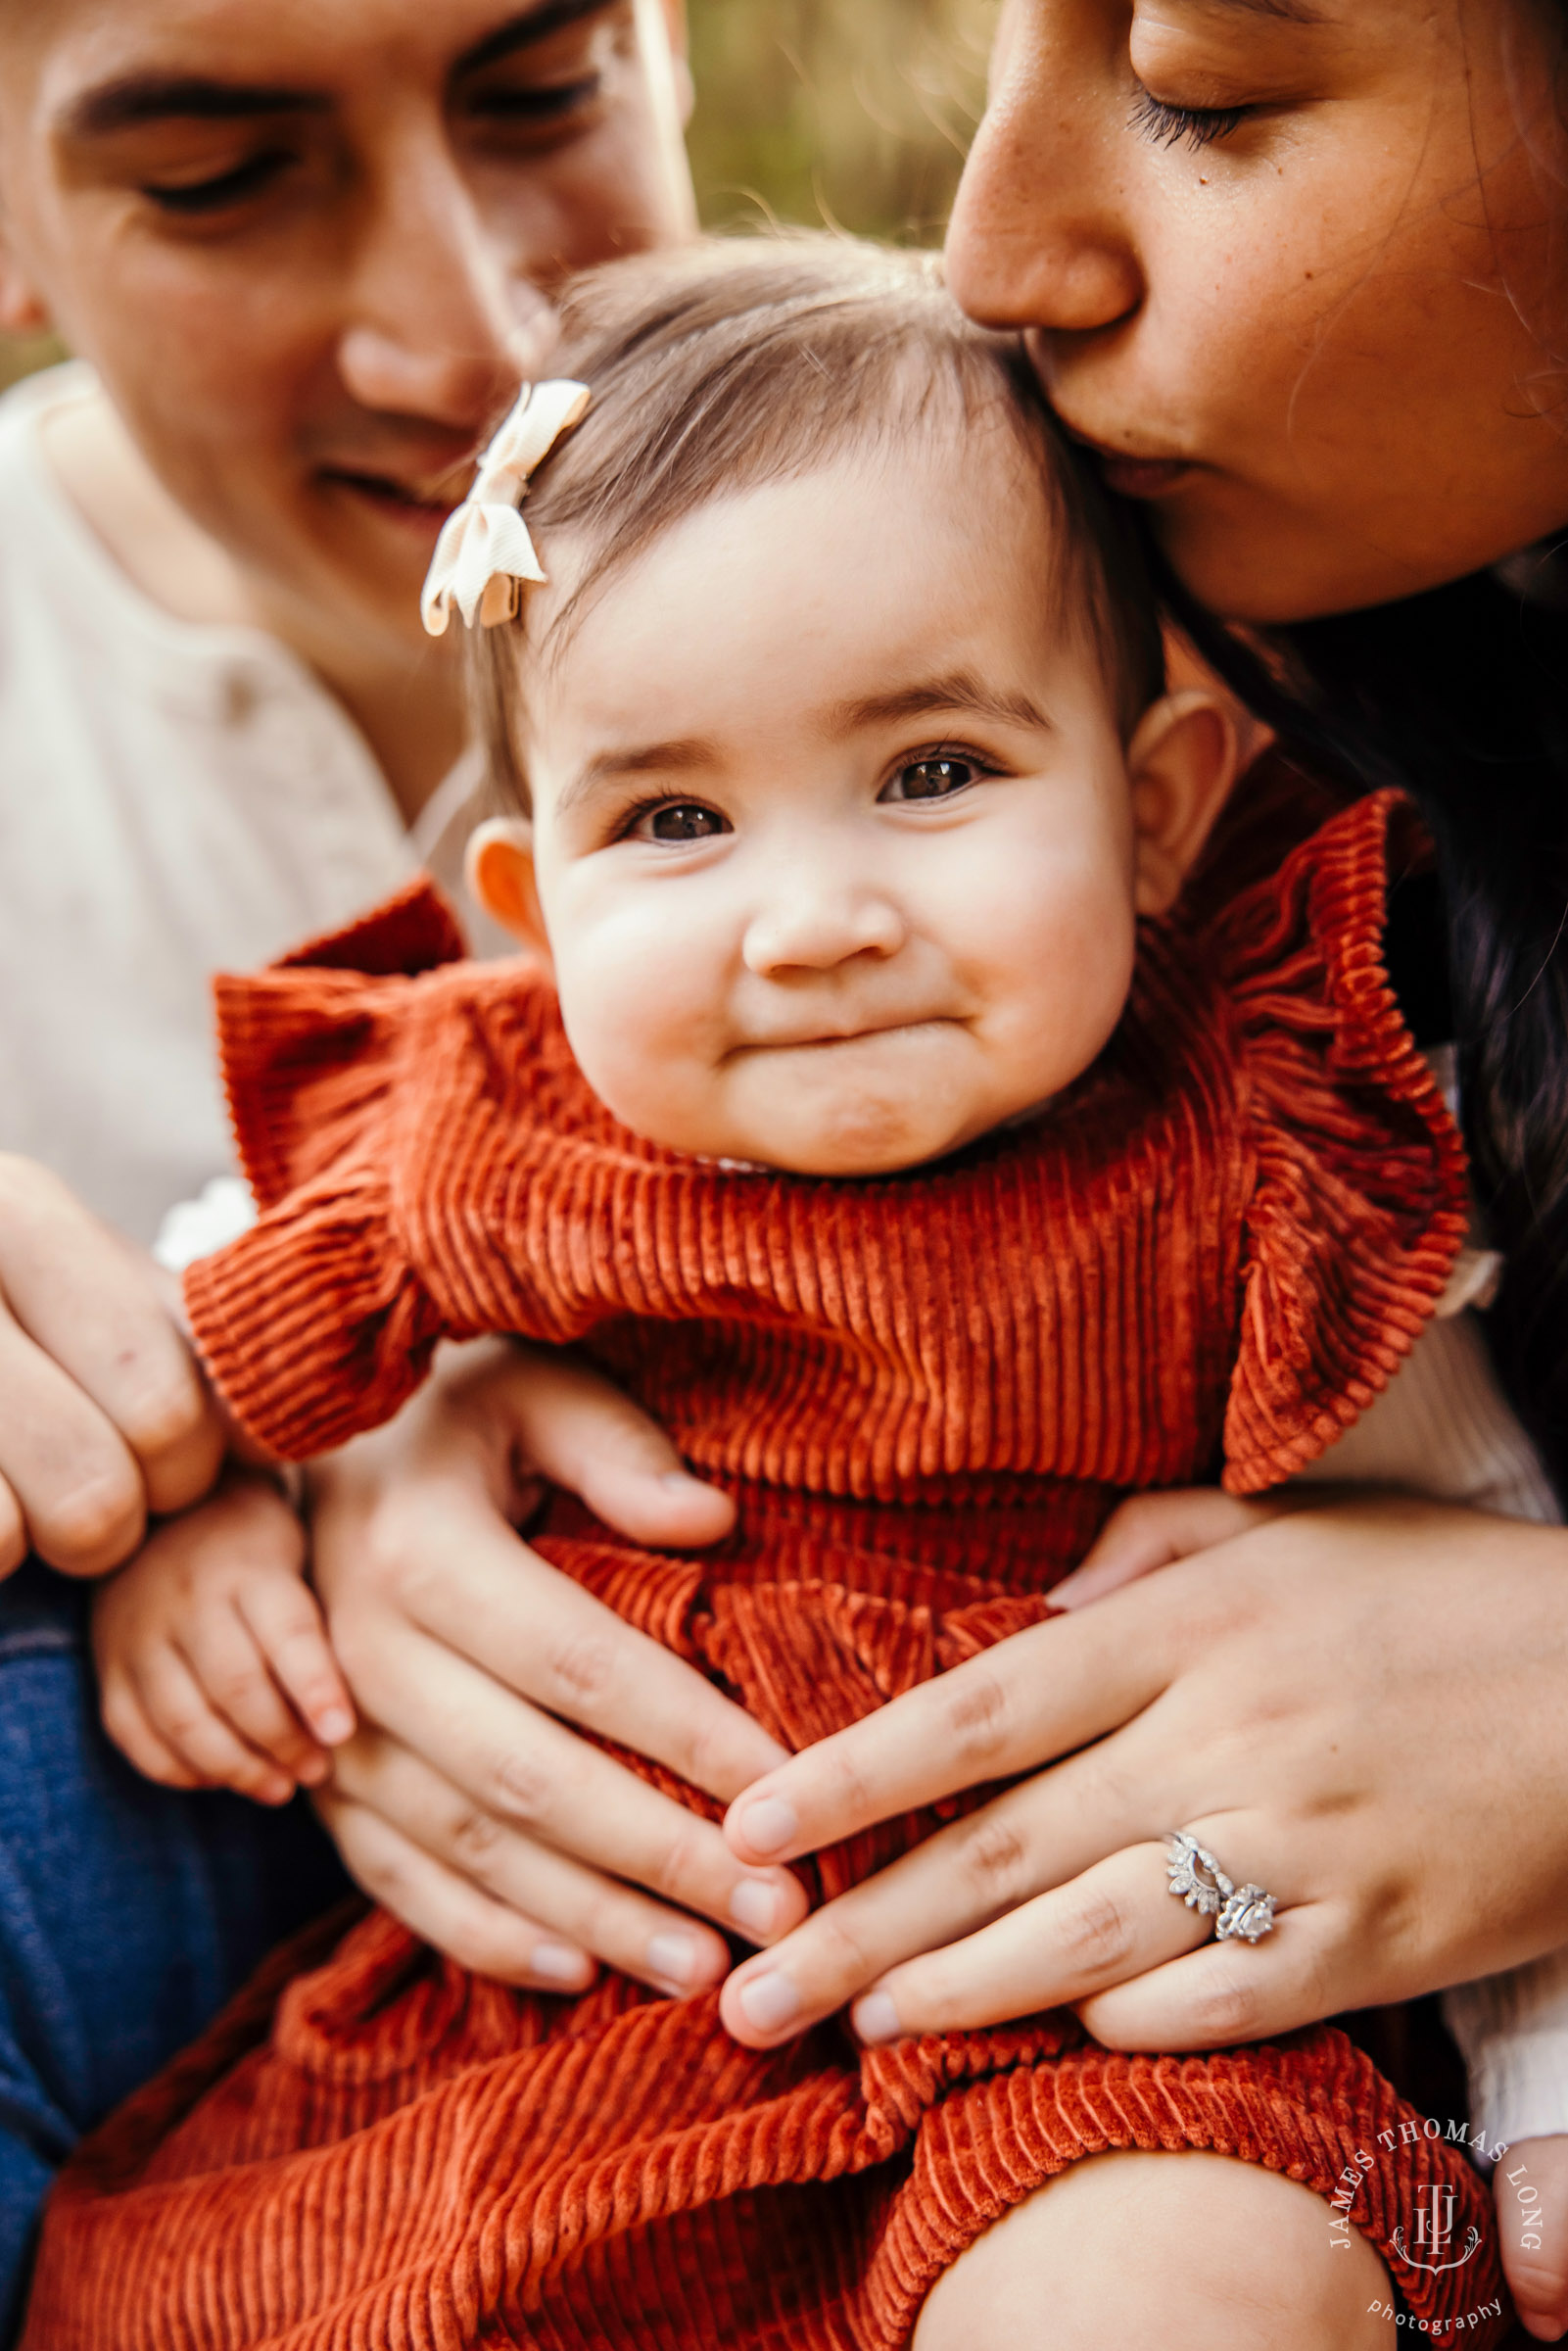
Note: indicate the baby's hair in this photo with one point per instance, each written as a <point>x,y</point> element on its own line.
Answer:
<point>733,364</point>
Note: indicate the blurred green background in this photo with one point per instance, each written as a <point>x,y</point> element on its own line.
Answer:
<point>851,112</point>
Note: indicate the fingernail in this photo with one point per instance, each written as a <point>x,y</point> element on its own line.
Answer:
<point>681,1482</point>
<point>876,2019</point>
<point>769,2001</point>
<point>313,1770</point>
<point>673,1958</point>
<point>558,1963</point>
<point>770,1825</point>
<point>334,1725</point>
<point>754,1906</point>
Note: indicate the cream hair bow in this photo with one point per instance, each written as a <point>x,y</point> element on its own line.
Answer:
<point>484,553</point>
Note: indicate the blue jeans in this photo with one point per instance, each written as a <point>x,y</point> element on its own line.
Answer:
<point>128,1913</point>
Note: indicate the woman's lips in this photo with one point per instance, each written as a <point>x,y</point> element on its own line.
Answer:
<point>1132,476</point>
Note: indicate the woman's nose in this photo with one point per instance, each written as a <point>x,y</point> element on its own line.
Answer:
<point>818,924</point>
<point>1036,237</point>
<point>437,327</point>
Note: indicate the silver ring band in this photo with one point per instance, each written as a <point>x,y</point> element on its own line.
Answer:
<point>1241,1914</point>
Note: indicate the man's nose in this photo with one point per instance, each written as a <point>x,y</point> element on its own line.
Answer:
<point>816,921</point>
<point>1036,237</point>
<point>436,326</point>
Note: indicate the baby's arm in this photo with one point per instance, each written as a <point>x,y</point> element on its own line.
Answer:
<point>213,1657</point>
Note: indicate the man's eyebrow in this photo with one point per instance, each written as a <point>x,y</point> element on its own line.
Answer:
<point>686,757</point>
<point>961,691</point>
<point>137,98</point>
<point>133,99</point>
<point>531,26</point>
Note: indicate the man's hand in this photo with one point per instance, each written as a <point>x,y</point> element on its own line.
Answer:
<point>471,1808</point>
<point>105,1417</point>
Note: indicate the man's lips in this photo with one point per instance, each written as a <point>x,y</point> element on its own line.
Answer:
<point>425,502</point>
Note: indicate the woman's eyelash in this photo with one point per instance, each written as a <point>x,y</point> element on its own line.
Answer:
<point>1184,125</point>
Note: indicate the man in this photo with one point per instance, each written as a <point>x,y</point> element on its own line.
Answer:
<point>305,253</point>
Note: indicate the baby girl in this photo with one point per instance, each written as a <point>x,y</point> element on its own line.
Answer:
<point>889,1103</point>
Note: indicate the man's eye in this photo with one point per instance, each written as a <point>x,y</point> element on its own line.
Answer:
<point>933,779</point>
<point>539,104</point>
<point>679,820</point>
<point>1195,127</point>
<point>215,195</point>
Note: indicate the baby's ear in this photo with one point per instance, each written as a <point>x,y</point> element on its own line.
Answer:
<point>1181,764</point>
<point>499,872</point>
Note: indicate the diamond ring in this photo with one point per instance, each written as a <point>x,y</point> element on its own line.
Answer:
<point>1241,1914</point>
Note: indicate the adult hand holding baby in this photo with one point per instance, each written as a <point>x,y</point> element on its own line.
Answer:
<point>1316,1697</point>
<point>105,1419</point>
<point>469,1807</point>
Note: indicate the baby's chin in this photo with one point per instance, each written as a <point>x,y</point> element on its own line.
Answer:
<point>859,1132</point>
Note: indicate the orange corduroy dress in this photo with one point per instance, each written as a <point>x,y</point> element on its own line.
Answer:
<point>925,1393</point>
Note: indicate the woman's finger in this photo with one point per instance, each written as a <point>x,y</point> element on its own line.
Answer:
<point>1115,1921</point>
<point>447,1910</point>
<point>1151,1531</point>
<point>1039,1694</point>
<point>99,1310</point>
<point>617,1923</point>
<point>1044,1833</point>
<point>1231,1992</point>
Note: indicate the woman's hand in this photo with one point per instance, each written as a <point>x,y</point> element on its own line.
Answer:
<point>1360,1707</point>
<point>468,1807</point>
<point>104,1416</point>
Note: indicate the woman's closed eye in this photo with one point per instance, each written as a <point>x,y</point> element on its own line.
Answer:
<point>1170,126</point>
<point>676,822</point>
<point>935,776</point>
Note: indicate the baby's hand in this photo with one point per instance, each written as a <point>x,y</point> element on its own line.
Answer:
<point>1530,2183</point>
<point>213,1660</point>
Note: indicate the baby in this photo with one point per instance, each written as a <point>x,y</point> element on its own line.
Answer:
<point>885,1106</point>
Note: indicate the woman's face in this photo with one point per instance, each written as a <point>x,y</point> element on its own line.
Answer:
<point>1298,267</point>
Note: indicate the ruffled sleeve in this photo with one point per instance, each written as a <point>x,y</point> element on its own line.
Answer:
<point>314,1324</point>
<point>1360,1207</point>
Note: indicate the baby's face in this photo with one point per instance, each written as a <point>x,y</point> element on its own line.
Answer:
<point>836,854</point>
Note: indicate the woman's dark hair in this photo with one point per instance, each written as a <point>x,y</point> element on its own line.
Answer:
<point>1461,697</point>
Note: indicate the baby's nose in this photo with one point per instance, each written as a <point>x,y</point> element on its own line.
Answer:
<point>817,928</point>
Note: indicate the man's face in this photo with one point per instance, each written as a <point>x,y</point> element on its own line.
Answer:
<point>310,245</point>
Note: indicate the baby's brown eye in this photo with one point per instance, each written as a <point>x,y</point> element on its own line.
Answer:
<point>682,820</point>
<point>930,780</point>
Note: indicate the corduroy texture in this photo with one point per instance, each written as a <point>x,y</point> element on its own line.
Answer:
<point>926,1394</point>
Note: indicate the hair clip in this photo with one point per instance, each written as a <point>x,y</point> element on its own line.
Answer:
<point>485,555</point>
